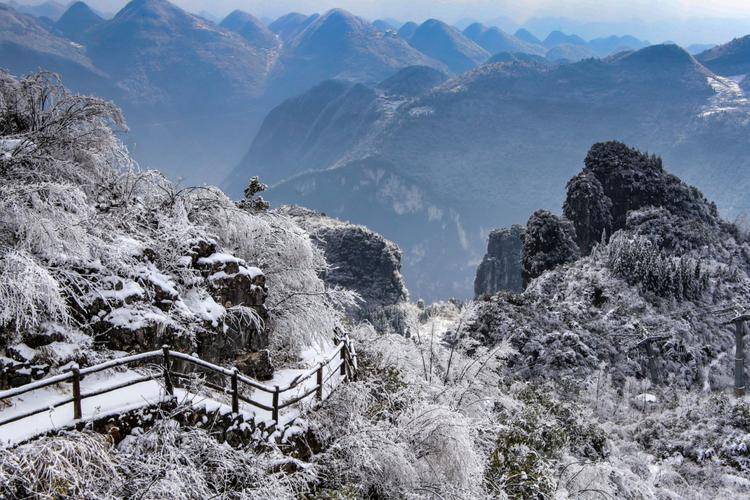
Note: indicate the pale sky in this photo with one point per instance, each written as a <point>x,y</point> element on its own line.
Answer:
<point>684,21</point>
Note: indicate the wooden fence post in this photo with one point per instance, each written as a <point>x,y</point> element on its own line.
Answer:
<point>342,371</point>
<point>77,413</point>
<point>167,377</point>
<point>275,406</point>
<point>319,381</point>
<point>235,393</point>
<point>739,358</point>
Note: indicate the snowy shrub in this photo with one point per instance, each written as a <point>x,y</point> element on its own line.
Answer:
<point>81,227</point>
<point>415,423</point>
<point>167,461</point>
<point>29,294</point>
<point>70,465</point>
<point>532,438</point>
<point>170,461</point>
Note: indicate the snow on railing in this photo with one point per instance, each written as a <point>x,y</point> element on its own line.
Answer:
<point>346,368</point>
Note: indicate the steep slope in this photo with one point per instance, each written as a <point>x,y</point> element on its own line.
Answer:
<point>494,40</point>
<point>438,179</point>
<point>340,45</point>
<point>446,44</point>
<point>412,81</point>
<point>407,30</point>
<point>50,9</point>
<point>162,56</point>
<point>290,25</point>
<point>731,59</point>
<point>77,20</point>
<point>309,132</point>
<point>315,129</point>
<point>251,29</point>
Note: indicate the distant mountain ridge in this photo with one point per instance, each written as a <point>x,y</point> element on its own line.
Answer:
<point>170,69</point>
<point>489,146</point>
<point>494,40</point>
<point>341,45</point>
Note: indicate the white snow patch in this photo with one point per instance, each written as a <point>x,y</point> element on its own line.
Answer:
<point>129,289</point>
<point>25,352</point>
<point>647,398</point>
<point>421,111</point>
<point>151,274</point>
<point>219,258</point>
<point>131,318</point>
<point>204,306</point>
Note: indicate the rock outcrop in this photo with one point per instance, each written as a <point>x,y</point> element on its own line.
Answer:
<point>665,244</point>
<point>501,267</point>
<point>618,180</point>
<point>359,259</point>
<point>549,242</point>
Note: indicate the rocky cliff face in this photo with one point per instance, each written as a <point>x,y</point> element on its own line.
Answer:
<point>549,242</point>
<point>501,267</point>
<point>359,259</point>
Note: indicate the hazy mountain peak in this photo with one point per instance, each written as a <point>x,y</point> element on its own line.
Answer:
<point>250,28</point>
<point>474,30</point>
<point>559,38</point>
<point>78,19</point>
<point>333,28</point>
<point>153,10</point>
<point>339,15</point>
<point>162,54</point>
<point>447,44</point>
<point>527,36</point>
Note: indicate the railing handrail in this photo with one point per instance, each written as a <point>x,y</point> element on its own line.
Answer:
<point>344,350</point>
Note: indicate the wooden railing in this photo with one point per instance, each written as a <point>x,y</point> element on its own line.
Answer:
<point>344,353</point>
